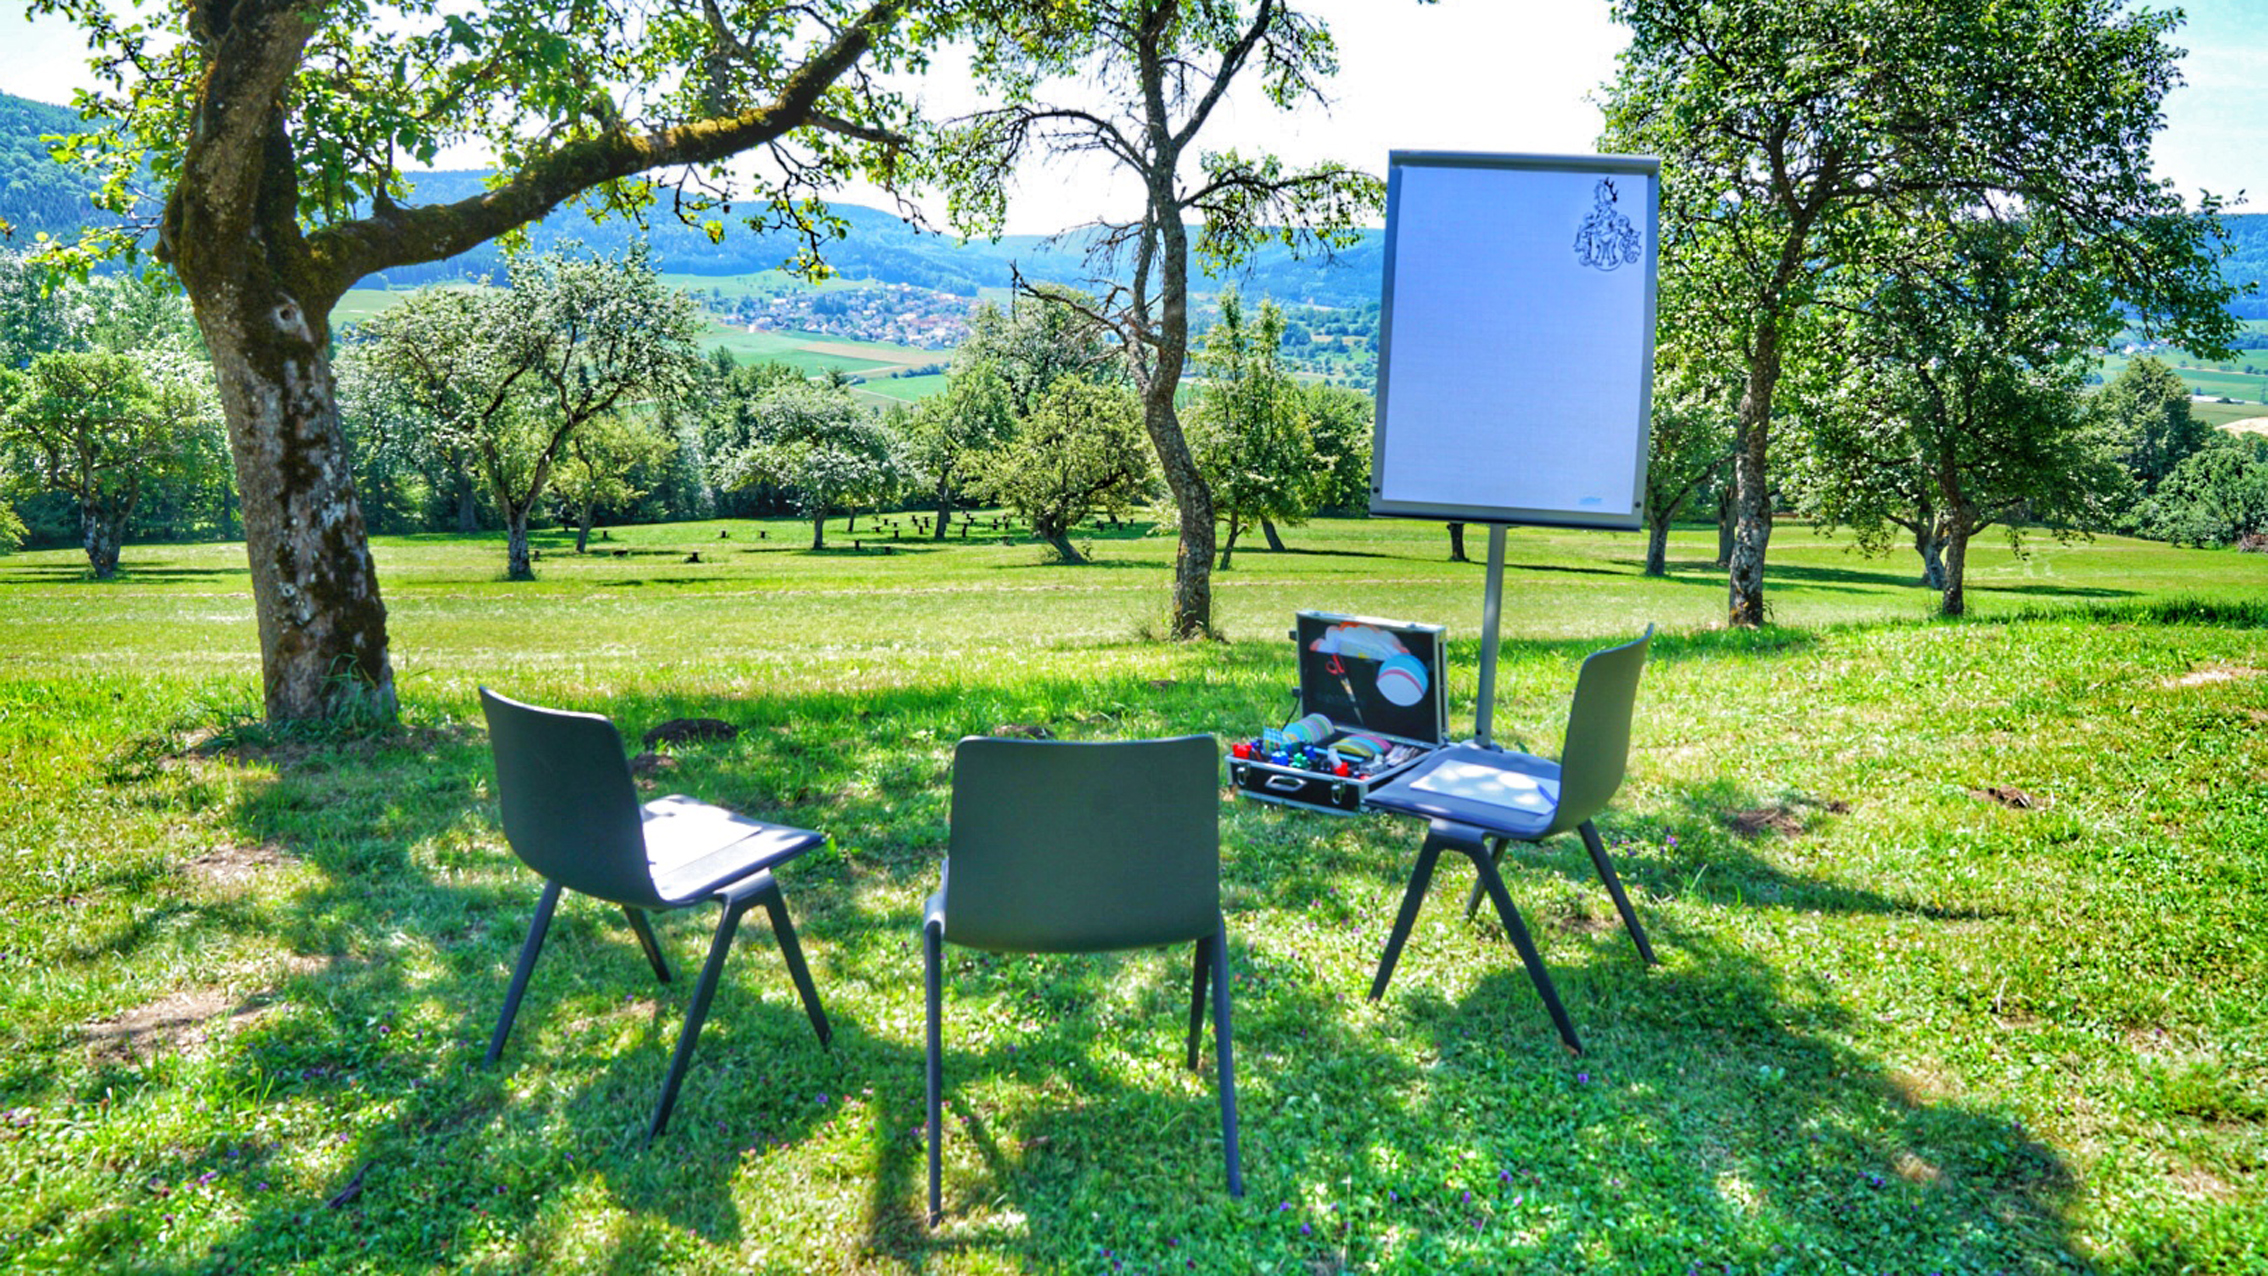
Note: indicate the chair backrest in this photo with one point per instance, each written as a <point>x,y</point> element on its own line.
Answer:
<point>570,810</point>
<point>1083,847</point>
<point>1597,751</point>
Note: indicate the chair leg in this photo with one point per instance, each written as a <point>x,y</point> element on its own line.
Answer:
<point>1597,849</point>
<point>644,929</point>
<point>1496,857</point>
<point>529,950</point>
<point>697,1011</point>
<point>1226,1055</point>
<point>933,977</point>
<point>1202,967</point>
<point>1420,877</point>
<point>783,930</point>
<point>1529,957</point>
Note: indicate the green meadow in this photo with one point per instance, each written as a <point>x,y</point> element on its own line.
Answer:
<point>1963,926</point>
<point>811,353</point>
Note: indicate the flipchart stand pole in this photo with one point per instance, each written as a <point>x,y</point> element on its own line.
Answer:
<point>1484,716</point>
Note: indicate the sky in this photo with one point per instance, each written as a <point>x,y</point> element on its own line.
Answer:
<point>1476,75</point>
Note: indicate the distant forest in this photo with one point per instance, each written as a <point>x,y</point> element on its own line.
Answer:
<point>36,193</point>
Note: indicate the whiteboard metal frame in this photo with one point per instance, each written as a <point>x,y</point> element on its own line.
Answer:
<point>1645,167</point>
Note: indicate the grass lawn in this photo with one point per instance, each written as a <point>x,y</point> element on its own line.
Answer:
<point>888,390</point>
<point>1964,927</point>
<point>813,353</point>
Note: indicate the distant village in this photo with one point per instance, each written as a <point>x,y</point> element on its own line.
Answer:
<point>1337,345</point>
<point>900,314</point>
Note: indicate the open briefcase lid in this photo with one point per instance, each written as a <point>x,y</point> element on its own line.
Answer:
<point>1366,674</point>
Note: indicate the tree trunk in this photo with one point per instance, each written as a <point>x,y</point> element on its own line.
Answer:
<point>1228,546</point>
<point>819,530</point>
<point>850,522</point>
<point>1930,545</point>
<point>583,530</point>
<point>1192,615</point>
<point>1457,543</point>
<point>468,504</point>
<point>314,588</point>
<point>944,514</point>
<point>1956,564</point>
<point>1065,551</point>
<point>1657,546</point>
<point>1752,498</point>
<point>1275,542</point>
<point>518,565</point>
<point>101,530</point>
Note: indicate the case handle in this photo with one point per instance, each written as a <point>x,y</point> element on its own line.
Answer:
<point>1285,783</point>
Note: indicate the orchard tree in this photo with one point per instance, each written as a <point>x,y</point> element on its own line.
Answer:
<point>1077,455</point>
<point>829,452</point>
<point>598,468</point>
<point>421,383</point>
<point>1043,336</point>
<point>1136,82</point>
<point>2147,407</point>
<point>1796,134</point>
<point>30,321</point>
<point>1247,432</point>
<point>2218,495</point>
<point>104,427</point>
<point>1962,408</point>
<point>277,132</point>
<point>1340,419</point>
<point>1690,443</point>
<point>596,336</point>
<point>949,436</point>
<point>725,406</point>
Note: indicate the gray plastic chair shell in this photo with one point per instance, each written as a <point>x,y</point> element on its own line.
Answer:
<point>1596,754</point>
<point>570,809</point>
<point>1061,846</point>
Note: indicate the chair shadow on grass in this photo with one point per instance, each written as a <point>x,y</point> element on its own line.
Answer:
<point>1704,1079</point>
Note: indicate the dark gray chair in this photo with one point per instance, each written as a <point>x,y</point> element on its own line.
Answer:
<point>1061,847</point>
<point>572,814</point>
<point>1548,798</point>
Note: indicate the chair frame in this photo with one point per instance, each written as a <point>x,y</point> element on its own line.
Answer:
<point>1485,847</point>
<point>736,897</point>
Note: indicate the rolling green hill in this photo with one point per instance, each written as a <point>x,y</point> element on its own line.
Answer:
<point>38,194</point>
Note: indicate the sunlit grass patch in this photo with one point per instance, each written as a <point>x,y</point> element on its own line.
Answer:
<point>1903,1022</point>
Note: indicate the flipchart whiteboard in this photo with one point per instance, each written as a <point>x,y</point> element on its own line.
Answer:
<point>1516,339</point>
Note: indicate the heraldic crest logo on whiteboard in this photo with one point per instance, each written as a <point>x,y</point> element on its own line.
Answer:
<point>1607,240</point>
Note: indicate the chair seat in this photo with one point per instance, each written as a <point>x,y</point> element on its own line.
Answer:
<point>692,847</point>
<point>1514,795</point>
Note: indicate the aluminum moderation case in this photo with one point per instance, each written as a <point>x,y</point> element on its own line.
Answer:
<point>1375,677</point>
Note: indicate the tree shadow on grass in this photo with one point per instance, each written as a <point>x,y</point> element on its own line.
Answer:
<point>1717,1090</point>
<point>127,574</point>
<point>1697,573</point>
<point>1976,586</point>
<point>1441,1128</point>
<point>1050,562</point>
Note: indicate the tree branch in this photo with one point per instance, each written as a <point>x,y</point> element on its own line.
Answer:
<point>402,236</point>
